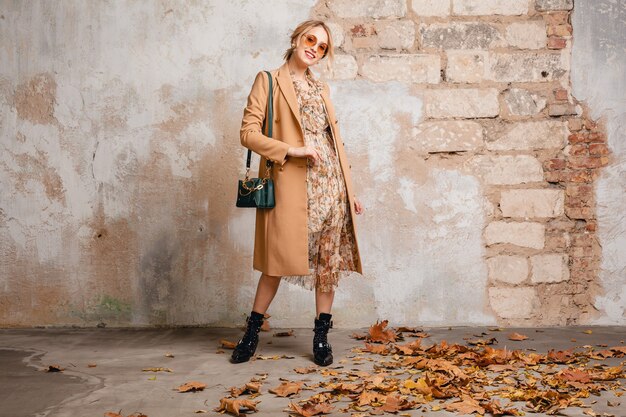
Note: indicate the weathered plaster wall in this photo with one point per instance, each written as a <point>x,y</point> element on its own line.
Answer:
<point>119,131</point>
<point>599,78</point>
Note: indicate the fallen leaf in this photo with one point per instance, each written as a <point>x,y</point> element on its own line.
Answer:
<point>156,370</point>
<point>287,388</point>
<point>377,333</point>
<point>517,336</point>
<point>234,406</point>
<point>311,408</point>
<point>227,344</point>
<point>191,386</point>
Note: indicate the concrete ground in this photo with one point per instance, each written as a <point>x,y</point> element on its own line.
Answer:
<point>118,384</point>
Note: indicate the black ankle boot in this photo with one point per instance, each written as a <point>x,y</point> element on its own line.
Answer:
<point>247,344</point>
<point>322,351</point>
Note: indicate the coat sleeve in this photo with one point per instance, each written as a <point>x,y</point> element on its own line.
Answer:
<point>251,133</point>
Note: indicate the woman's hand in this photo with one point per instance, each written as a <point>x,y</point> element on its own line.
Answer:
<point>305,152</point>
<point>358,208</point>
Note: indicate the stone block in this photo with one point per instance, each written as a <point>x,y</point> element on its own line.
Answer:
<point>344,68</point>
<point>460,35</point>
<point>489,7</point>
<point>545,134</point>
<point>513,303</point>
<point>337,33</point>
<point>409,68</point>
<point>535,203</point>
<point>527,66</point>
<point>461,102</point>
<point>506,169</point>
<point>509,269</point>
<point>522,102</point>
<point>527,35</point>
<point>396,35</point>
<point>550,267</point>
<point>368,8</point>
<point>466,66</point>
<point>447,136</point>
<point>524,234</point>
<point>552,5</point>
<point>431,7</point>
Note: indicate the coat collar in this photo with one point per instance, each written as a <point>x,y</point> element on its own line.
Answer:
<point>286,86</point>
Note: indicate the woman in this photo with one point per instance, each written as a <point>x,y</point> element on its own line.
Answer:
<point>308,238</point>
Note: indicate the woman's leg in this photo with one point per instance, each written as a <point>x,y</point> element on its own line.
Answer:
<point>323,302</point>
<point>265,292</point>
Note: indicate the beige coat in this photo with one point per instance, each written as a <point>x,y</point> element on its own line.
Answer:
<point>281,235</point>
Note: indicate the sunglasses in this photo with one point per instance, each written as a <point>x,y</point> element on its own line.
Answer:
<point>311,40</point>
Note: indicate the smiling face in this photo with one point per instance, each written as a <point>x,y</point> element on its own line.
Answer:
<point>311,46</point>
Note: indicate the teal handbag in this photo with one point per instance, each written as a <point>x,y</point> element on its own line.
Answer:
<point>259,192</point>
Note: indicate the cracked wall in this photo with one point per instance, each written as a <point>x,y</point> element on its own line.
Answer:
<point>119,128</point>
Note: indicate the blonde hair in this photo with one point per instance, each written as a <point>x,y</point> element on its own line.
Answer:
<point>303,28</point>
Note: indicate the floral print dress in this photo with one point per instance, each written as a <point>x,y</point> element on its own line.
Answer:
<point>332,249</point>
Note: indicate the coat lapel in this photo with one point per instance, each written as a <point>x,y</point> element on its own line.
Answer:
<point>286,86</point>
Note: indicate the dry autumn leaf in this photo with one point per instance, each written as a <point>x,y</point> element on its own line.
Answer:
<point>287,388</point>
<point>54,368</point>
<point>234,406</point>
<point>311,408</point>
<point>467,405</point>
<point>517,336</point>
<point>156,370</point>
<point>227,344</point>
<point>283,334</point>
<point>191,386</point>
<point>377,333</point>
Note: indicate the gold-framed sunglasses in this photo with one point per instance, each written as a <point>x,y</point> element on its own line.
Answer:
<point>310,40</point>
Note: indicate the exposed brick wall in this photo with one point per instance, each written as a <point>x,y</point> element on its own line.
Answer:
<point>494,79</point>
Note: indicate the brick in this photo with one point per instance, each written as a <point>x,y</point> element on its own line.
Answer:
<point>581,176</point>
<point>552,5</point>
<point>560,30</point>
<point>587,162</point>
<point>598,149</point>
<point>561,109</point>
<point>527,66</point>
<point>431,7</point>
<point>521,102</point>
<point>551,267</point>
<point>545,134</point>
<point>460,35</point>
<point>578,149</point>
<point>514,303</point>
<point>533,203</point>
<point>526,35</point>
<point>554,164</point>
<point>509,269</point>
<point>556,18</point>
<point>368,8</point>
<point>489,7</point>
<point>447,136</point>
<point>337,33</point>
<point>574,124</point>
<point>524,234</point>
<point>579,190</point>
<point>579,213</point>
<point>555,42</point>
<point>410,68</point>
<point>461,102</point>
<point>582,240</point>
<point>506,169</point>
<point>581,137</point>
<point>396,35</point>
<point>556,176</point>
<point>561,94</point>
<point>596,137</point>
<point>344,68</point>
<point>466,66</point>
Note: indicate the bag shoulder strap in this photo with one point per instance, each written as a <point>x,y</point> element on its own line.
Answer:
<point>269,115</point>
